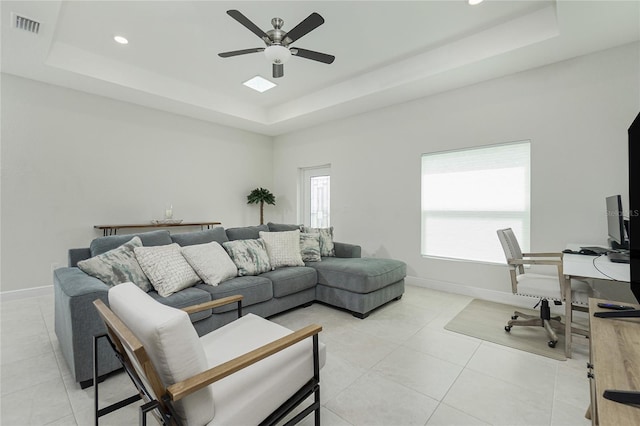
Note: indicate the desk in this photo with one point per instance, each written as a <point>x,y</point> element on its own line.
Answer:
<point>591,267</point>
<point>614,357</point>
<point>113,229</point>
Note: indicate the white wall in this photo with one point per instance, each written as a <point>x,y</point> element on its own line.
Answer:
<point>576,114</point>
<point>71,160</point>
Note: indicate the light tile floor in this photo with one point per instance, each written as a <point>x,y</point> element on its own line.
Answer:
<point>397,367</point>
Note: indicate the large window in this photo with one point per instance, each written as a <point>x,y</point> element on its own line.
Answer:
<point>469,194</point>
<point>316,196</point>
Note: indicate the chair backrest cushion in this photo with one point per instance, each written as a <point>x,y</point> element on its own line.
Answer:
<point>171,343</point>
<point>509,244</point>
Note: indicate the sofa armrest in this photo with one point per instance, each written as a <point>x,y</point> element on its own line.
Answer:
<point>347,250</point>
<point>78,254</point>
<point>77,321</point>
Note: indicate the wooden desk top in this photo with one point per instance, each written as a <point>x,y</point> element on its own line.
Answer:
<point>615,355</point>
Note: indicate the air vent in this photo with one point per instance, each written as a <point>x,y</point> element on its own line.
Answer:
<point>26,24</point>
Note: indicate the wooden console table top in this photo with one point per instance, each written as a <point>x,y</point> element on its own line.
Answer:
<point>113,229</point>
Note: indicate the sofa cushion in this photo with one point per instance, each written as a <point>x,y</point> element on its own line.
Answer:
<point>153,238</point>
<point>185,298</point>
<point>359,275</point>
<point>283,248</point>
<point>201,237</point>
<point>117,266</point>
<point>166,268</point>
<point>326,240</point>
<point>211,262</point>
<point>279,227</point>
<point>250,256</point>
<point>253,289</point>
<point>291,280</point>
<point>246,232</point>
<point>171,343</point>
<point>310,247</point>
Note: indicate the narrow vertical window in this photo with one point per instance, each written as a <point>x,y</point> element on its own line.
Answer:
<point>469,194</point>
<point>316,196</point>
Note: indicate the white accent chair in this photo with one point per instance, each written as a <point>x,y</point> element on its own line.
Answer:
<point>542,287</point>
<point>249,372</point>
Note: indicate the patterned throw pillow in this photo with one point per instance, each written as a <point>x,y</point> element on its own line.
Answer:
<point>166,268</point>
<point>211,262</point>
<point>326,240</point>
<point>283,248</point>
<point>310,247</point>
<point>250,256</point>
<point>117,266</point>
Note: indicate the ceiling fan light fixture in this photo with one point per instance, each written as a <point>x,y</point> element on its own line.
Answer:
<point>120,39</point>
<point>474,2</point>
<point>259,84</point>
<point>277,54</point>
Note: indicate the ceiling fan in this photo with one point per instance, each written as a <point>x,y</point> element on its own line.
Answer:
<point>278,41</point>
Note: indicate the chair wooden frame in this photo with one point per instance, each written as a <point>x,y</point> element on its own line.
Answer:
<point>124,342</point>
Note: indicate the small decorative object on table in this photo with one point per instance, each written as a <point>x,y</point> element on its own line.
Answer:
<point>166,221</point>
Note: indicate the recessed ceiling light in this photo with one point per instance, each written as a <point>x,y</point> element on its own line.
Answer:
<point>121,40</point>
<point>259,84</point>
<point>474,2</point>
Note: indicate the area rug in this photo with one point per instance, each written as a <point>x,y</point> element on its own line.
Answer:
<point>486,320</point>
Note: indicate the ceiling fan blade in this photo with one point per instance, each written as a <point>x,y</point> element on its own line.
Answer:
<point>310,54</point>
<point>278,70</point>
<point>309,24</point>
<point>238,16</point>
<point>240,52</point>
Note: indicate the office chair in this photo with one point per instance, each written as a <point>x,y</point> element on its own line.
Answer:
<point>543,287</point>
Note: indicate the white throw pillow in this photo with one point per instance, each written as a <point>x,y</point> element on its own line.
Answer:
<point>166,268</point>
<point>283,248</point>
<point>211,262</point>
<point>172,344</point>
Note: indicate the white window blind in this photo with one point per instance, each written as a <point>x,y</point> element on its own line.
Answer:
<point>469,194</point>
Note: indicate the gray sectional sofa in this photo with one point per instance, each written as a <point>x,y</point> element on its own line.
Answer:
<point>345,281</point>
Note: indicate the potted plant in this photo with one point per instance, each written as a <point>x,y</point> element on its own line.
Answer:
<point>261,196</point>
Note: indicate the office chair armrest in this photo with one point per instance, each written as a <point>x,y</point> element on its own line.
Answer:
<point>542,255</point>
<point>213,304</point>
<point>535,262</point>
<point>186,387</point>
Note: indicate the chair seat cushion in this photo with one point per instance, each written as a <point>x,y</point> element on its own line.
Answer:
<point>548,286</point>
<point>250,395</point>
<point>359,275</point>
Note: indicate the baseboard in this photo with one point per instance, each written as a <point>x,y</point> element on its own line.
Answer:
<point>478,293</point>
<point>46,290</point>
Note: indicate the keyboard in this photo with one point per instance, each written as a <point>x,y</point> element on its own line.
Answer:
<point>618,257</point>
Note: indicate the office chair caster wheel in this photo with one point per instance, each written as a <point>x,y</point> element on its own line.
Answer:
<point>552,344</point>
<point>514,317</point>
<point>507,328</point>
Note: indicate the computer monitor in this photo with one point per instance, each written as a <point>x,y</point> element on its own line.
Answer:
<point>615,223</point>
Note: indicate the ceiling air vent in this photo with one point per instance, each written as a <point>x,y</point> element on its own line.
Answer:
<point>26,24</point>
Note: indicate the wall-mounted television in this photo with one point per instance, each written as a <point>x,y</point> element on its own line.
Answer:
<point>634,205</point>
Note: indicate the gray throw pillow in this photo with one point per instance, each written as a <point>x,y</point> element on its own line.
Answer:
<point>250,256</point>
<point>326,240</point>
<point>310,247</point>
<point>117,266</point>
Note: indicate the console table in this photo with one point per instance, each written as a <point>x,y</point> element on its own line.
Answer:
<point>113,229</point>
<point>614,365</point>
